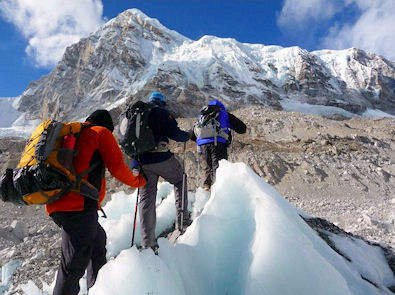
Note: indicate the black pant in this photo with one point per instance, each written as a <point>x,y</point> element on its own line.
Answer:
<point>209,158</point>
<point>83,247</point>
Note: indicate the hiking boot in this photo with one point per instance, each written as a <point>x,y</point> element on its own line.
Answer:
<point>154,248</point>
<point>187,222</point>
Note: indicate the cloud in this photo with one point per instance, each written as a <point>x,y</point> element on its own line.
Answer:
<point>372,29</point>
<point>51,25</point>
<point>300,12</point>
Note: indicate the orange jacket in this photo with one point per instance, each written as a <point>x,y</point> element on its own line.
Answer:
<point>92,139</point>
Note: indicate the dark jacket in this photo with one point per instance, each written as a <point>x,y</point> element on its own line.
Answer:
<point>164,127</point>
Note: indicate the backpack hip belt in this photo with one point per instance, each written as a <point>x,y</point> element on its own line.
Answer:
<point>162,147</point>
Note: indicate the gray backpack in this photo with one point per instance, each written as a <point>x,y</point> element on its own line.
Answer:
<point>135,136</point>
<point>208,125</point>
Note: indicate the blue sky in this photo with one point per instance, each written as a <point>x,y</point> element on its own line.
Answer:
<point>34,33</point>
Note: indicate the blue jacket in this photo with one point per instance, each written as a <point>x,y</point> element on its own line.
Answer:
<point>223,119</point>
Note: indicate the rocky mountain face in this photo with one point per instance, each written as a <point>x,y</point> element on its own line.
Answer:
<point>133,54</point>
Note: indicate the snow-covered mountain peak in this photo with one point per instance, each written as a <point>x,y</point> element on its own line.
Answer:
<point>135,21</point>
<point>134,54</point>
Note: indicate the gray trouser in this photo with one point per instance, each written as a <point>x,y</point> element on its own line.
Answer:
<point>171,171</point>
<point>210,155</point>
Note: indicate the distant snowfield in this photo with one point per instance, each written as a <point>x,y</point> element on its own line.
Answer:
<point>8,112</point>
<point>245,239</point>
<point>305,108</point>
<point>14,123</point>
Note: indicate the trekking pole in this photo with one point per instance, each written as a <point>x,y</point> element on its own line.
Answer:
<point>231,149</point>
<point>198,176</point>
<point>136,207</point>
<point>135,215</point>
<point>183,187</point>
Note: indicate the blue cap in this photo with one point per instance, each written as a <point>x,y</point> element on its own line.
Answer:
<point>156,95</point>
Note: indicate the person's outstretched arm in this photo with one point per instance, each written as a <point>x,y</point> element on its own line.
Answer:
<point>173,131</point>
<point>114,160</point>
<point>237,125</point>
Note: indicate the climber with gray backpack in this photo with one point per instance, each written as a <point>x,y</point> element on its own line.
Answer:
<point>144,133</point>
<point>212,133</point>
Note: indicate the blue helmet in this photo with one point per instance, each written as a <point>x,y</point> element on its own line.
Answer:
<point>156,96</point>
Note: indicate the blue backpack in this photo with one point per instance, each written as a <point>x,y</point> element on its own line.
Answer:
<point>208,124</point>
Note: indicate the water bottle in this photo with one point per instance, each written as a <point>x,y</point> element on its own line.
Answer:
<point>66,154</point>
<point>69,141</point>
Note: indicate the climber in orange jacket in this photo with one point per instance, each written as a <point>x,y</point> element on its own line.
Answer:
<point>83,238</point>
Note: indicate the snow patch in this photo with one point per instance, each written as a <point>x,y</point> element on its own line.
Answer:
<point>369,113</point>
<point>368,260</point>
<point>8,111</point>
<point>6,273</point>
<point>305,108</point>
<point>31,289</point>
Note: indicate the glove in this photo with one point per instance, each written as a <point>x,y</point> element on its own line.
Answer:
<point>143,174</point>
<point>139,172</point>
<point>136,167</point>
<point>135,164</point>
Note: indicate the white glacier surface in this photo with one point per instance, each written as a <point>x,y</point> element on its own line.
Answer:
<point>245,239</point>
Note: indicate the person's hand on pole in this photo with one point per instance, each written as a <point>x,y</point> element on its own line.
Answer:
<point>137,169</point>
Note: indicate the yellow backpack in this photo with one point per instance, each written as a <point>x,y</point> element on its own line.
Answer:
<point>45,172</point>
